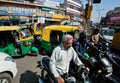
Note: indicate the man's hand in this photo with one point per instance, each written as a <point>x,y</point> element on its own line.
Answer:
<point>60,80</point>
<point>87,69</point>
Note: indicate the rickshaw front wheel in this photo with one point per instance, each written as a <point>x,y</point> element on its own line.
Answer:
<point>35,53</point>
<point>44,52</point>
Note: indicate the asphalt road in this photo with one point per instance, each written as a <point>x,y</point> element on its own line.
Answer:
<point>27,69</point>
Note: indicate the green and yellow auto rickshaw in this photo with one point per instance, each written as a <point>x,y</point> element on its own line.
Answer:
<point>52,36</point>
<point>115,46</point>
<point>17,41</point>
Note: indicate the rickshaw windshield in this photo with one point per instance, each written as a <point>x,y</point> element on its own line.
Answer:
<point>25,33</point>
<point>38,27</point>
<point>75,34</point>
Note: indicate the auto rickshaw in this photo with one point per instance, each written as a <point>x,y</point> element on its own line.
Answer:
<point>17,41</point>
<point>115,58</point>
<point>115,46</point>
<point>52,36</point>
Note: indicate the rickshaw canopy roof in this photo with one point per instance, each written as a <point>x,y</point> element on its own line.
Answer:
<point>10,28</point>
<point>64,28</point>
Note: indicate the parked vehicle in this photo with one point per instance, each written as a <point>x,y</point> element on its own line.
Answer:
<point>52,36</point>
<point>8,68</point>
<point>17,41</point>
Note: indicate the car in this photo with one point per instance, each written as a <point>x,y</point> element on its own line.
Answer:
<point>108,33</point>
<point>8,68</point>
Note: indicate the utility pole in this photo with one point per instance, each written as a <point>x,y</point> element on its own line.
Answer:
<point>99,14</point>
<point>88,12</point>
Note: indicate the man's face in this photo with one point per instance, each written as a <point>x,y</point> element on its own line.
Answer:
<point>68,44</point>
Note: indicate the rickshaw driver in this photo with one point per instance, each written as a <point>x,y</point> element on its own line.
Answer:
<point>61,57</point>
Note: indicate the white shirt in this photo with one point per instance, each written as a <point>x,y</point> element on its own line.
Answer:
<point>60,60</point>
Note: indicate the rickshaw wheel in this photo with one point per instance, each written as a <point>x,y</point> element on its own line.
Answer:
<point>36,54</point>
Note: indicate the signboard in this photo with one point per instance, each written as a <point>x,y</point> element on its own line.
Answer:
<point>40,2</point>
<point>115,18</point>
<point>52,4</point>
<point>3,12</point>
<point>22,13</point>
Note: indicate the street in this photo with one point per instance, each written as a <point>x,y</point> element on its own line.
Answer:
<point>27,69</point>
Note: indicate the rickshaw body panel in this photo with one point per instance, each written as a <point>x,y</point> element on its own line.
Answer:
<point>36,30</point>
<point>25,47</point>
<point>9,49</point>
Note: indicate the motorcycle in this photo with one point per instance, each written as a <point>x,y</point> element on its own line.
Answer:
<point>100,66</point>
<point>113,59</point>
<point>46,75</point>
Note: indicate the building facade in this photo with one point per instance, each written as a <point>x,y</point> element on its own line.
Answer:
<point>73,9</point>
<point>23,10</point>
<point>112,18</point>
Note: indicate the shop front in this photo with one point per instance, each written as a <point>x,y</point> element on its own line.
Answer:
<point>20,17</point>
<point>57,17</point>
<point>4,17</point>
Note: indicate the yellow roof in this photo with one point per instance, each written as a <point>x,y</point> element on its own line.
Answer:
<point>9,28</point>
<point>63,28</point>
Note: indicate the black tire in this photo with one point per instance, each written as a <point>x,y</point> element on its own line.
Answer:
<point>44,52</point>
<point>36,54</point>
<point>5,78</point>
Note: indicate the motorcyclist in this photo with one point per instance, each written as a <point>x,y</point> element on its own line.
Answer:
<point>81,46</point>
<point>61,57</point>
<point>96,37</point>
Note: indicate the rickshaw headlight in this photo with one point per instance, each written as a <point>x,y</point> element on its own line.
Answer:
<point>26,43</point>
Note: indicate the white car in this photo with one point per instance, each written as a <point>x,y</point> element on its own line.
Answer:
<point>8,68</point>
<point>108,33</point>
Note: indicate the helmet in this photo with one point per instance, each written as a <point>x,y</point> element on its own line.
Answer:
<point>96,30</point>
<point>82,35</point>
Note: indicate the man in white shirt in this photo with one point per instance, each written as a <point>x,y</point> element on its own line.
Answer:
<point>61,57</point>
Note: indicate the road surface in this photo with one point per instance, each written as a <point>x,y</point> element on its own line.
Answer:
<point>27,69</point>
